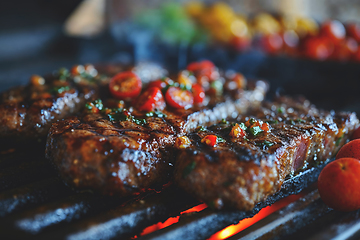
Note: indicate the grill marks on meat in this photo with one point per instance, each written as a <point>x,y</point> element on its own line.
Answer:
<point>241,172</point>
<point>124,158</point>
<point>27,112</point>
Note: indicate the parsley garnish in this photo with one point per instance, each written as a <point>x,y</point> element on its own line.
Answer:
<point>155,114</point>
<point>59,90</point>
<point>200,129</point>
<point>219,139</point>
<point>255,130</point>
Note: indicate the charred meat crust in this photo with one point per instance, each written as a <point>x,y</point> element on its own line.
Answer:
<point>241,172</point>
<point>124,158</point>
<point>27,112</point>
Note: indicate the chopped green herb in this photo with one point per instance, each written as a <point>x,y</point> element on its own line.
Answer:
<point>252,121</point>
<point>188,169</point>
<point>139,121</point>
<point>97,103</point>
<point>118,116</point>
<point>200,129</point>
<point>265,143</point>
<point>273,121</point>
<point>281,110</point>
<point>185,87</point>
<point>243,126</point>
<point>223,121</point>
<point>63,73</point>
<point>254,130</point>
<point>300,120</point>
<point>218,86</point>
<point>59,90</point>
<point>122,115</point>
<point>219,139</point>
<point>337,143</point>
<point>155,114</point>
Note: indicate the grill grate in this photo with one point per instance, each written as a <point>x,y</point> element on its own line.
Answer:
<point>35,203</point>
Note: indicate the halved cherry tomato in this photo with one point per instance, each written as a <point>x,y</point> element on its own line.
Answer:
<point>150,100</point>
<point>125,85</point>
<point>204,68</point>
<point>210,140</point>
<point>198,93</point>
<point>178,98</point>
<point>161,83</point>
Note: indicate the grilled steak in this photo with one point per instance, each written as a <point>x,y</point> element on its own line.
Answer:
<point>253,155</point>
<point>127,152</point>
<point>27,112</point>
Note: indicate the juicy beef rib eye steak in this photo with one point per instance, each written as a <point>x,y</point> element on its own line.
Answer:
<point>128,151</point>
<point>27,112</point>
<point>256,153</point>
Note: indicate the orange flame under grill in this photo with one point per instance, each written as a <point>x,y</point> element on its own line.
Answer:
<point>233,229</point>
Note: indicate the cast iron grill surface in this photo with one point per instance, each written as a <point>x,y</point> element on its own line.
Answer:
<point>34,203</point>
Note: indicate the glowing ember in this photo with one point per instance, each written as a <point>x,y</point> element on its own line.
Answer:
<point>245,223</point>
<point>172,220</point>
<point>233,229</point>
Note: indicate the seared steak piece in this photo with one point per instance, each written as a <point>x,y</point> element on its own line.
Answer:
<point>127,151</point>
<point>253,155</point>
<point>27,112</point>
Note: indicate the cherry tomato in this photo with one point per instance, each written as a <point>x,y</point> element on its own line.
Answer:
<point>318,48</point>
<point>334,30</point>
<point>178,98</point>
<point>161,83</point>
<point>345,49</point>
<point>353,30</point>
<point>198,93</point>
<point>204,68</point>
<point>350,150</point>
<point>150,100</point>
<point>125,85</point>
<point>210,140</point>
<point>338,184</point>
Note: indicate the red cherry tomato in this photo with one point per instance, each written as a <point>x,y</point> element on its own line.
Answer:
<point>350,150</point>
<point>210,140</point>
<point>356,134</point>
<point>204,68</point>
<point>334,30</point>
<point>161,83</point>
<point>338,184</point>
<point>125,85</point>
<point>353,30</point>
<point>150,100</point>
<point>198,93</point>
<point>345,49</point>
<point>272,43</point>
<point>178,98</point>
<point>318,48</point>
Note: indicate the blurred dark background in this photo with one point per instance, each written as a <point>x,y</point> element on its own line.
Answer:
<point>33,41</point>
